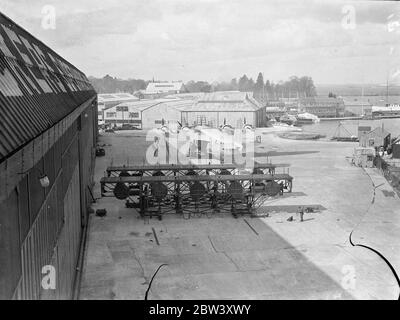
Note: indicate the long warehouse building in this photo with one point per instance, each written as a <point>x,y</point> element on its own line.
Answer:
<point>211,109</point>
<point>48,133</point>
<point>109,100</point>
<point>224,107</point>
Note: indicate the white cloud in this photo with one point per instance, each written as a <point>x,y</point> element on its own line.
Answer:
<point>214,40</point>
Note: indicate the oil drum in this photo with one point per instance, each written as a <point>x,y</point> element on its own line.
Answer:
<point>272,188</point>
<point>121,191</point>
<point>197,190</point>
<point>235,189</point>
<point>159,191</point>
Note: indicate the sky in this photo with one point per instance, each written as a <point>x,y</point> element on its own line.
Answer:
<point>334,42</point>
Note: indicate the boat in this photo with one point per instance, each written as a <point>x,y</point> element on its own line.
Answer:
<point>306,118</point>
<point>348,138</point>
<point>301,135</point>
<point>345,139</point>
<point>288,119</point>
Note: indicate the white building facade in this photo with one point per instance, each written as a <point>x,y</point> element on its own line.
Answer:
<point>106,101</point>
<point>211,109</point>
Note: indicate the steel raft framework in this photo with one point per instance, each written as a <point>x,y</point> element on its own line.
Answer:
<point>195,190</point>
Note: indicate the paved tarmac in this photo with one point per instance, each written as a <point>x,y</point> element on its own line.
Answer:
<point>253,258</point>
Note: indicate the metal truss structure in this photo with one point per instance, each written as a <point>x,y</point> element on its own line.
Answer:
<point>195,190</point>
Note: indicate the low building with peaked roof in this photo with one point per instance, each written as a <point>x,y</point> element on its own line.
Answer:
<point>146,114</point>
<point>165,87</point>
<point>215,109</point>
<point>376,138</point>
<point>211,109</point>
<point>109,100</point>
<point>322,107</point>
<point>357,107</point>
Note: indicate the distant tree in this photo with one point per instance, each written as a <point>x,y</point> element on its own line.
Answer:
<point>307,86</point>
<point>206,88</point>
<point>293,87</point>
<point>260,82</point>
<point>273,91</point>
<point>268,89</point>
<point>243,83</point>
<point>259,88</point>
<point>190,86</point>
<point>331,95</point>
<point>279,90</point>
<point>234,84</point>
<point>224,86</point>
<point>302,87</point>
<point>109,84</point>
<point>199,86</point>
<point>250,85</point>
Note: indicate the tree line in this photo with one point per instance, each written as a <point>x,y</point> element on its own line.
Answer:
<point>262,90</point>
<point>267,90</point>
<point>110,84</point>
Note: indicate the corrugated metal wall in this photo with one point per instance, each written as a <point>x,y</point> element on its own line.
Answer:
<point>44,226</point>
<point>46,245</point>
<point>48,126</point>
<point>10,259</point>
<point>37,249</point>
<point>68,244</point>
<point>157,113</point>
<point>216,119</point>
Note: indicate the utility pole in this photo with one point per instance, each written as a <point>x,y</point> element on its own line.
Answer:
<point>387,90</point>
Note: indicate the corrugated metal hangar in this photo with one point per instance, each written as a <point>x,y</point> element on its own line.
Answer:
<point>211,109</point>
<point>48,133</point>
<point>225,107</point>
<point>145,114</point>
<point>108,100</point>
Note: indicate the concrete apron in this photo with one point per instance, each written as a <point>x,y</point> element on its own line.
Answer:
<point>260,258</point>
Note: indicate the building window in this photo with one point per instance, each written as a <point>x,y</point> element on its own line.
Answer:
<point>122,109</point>
<point>111,114</point>
<point>133,114</point>
<point>158,122</point>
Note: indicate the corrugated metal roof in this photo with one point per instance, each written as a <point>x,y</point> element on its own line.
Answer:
<point>38,88</point>
<point>179,104</point>
<point>224,101</point>
<point>158,87</point>
<point>112,97</point>
<point>218,107</point>
<point>357,103</point>
<point>137,105</point>
<point>146,104</point>
<point>186,96</point>
<point>227,102</point>
<point>379,132</point>
<point>225,96</point>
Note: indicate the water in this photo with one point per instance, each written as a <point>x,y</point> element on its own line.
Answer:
<point>328,128</point>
